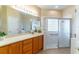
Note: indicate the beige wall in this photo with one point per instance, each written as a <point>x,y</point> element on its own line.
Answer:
<point>68,12</point>
<point>0,18</point>
<point>0,10</point>
<point>3,15</point>
<point>65,13</point>
<point>53,13</point>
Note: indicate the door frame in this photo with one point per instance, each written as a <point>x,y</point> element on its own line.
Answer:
<point>46,17</point>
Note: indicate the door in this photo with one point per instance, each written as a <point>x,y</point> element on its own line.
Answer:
<point>50,33</point>
<point>35,44</point>
<point>27,46</point>
<point>15,48</point>
<point>64,33</point>
<point>40,42</point>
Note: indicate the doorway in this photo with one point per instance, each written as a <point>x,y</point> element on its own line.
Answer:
<point>56,33</point>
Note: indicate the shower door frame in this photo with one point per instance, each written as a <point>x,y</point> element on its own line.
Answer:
<point>58,27</point>
<point>70,31</point>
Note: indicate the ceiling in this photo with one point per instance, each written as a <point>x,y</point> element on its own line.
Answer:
<point>57,7</point>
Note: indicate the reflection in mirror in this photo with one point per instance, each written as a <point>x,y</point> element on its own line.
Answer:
<point>25,23</point>
<point>29,23</point>
<point>19,22</point>
<point>36,26</point>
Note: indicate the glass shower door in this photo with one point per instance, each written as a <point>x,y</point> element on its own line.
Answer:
<point>64,33</point>
<point>51,33</point>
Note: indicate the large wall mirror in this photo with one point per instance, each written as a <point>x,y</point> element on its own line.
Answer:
<point>23,24</point>
<point>18,22</point>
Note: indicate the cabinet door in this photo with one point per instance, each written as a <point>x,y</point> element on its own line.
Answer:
<point>35,44</point>
<point>15,48</point>
<point>4,50</point>
<point>27,46</point>
<point>40,42</point>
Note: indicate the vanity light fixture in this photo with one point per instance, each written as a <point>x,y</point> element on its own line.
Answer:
<point>25,10</point>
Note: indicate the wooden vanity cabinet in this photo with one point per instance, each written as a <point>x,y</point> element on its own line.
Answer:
<point>37,43</point>
<point>40,42</point>
<point>27,46</point>
<point>15,48</point>
<point>4,50</point>
<point>24,47</point>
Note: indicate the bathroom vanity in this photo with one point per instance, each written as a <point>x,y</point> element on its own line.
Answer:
<point>16,24</point>
<point>22,44</point>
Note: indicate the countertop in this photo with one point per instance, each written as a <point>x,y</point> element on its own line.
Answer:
<point>16,38</point>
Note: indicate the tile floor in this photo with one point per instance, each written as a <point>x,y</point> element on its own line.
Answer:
<point>56,51</point>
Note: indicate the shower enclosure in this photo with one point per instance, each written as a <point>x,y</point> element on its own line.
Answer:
<point>57,32</point>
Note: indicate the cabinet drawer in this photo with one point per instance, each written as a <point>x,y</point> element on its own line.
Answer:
<point>27,46</point>
<point>26,42</point>
<point>25,50</point>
